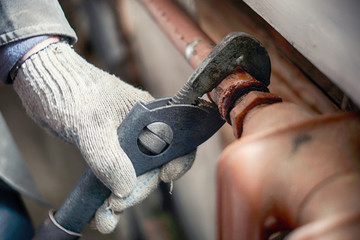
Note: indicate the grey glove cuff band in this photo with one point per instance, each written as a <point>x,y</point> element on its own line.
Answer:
<point>12,52</point>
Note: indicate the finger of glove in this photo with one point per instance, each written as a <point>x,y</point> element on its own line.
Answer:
<point>177,167</point>
<point>105,219</point>
<point>145,184</point>
<point>102,151</point>
<point>108,215</point>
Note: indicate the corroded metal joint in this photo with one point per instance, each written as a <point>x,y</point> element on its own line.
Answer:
<point>237,94</point>
<point>245,104</point>
<point>232,88</point>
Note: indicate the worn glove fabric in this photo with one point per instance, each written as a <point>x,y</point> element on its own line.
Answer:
<point>84,106</point>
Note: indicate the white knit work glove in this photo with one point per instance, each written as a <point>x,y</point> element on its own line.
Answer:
<point>84,106</point>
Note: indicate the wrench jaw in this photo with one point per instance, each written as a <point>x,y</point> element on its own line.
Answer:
<point>206,105</point>
<point>236,50</point>
<point>183,120</point>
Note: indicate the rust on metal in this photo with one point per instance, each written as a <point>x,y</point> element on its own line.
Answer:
<point>245,104</point>
<point>232,88</point>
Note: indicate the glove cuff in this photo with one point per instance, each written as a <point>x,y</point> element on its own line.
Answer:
<point>12,52</point>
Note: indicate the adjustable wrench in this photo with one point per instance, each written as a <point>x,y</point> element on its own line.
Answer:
<point>170,125</point>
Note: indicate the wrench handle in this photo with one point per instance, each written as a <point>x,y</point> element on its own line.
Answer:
<point>88,195</point>
<point>76,211</point>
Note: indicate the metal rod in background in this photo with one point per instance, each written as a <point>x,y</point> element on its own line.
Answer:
<point>185,34</point>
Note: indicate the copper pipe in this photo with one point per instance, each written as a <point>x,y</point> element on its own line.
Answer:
<point>186,35</point>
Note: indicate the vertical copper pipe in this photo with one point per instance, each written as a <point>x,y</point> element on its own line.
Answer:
<point>186,35</point>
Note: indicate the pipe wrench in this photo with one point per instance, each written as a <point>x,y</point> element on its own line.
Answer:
<point>157,132</point>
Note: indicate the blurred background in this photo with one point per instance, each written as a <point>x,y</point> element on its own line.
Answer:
<point>120,37</point>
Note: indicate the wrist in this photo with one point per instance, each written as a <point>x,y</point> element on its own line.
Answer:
<point>38,47</point>
<point>33,50</point>
<point>12,53</point>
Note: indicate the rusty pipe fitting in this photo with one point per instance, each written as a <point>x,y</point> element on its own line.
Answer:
<point>247,103</point>
<point>233,87</point>
<point>237,94</point>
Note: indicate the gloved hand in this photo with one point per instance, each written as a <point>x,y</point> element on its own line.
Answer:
<point>84,106</point>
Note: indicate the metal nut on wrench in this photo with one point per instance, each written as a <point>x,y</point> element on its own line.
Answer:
<point>155,138</point>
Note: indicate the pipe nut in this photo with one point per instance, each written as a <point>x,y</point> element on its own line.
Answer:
<point>232,88</point>
<point>245,104</point>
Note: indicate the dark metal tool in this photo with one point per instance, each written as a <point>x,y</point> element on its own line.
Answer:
<point>177,123</point>
<point>157,132</point>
